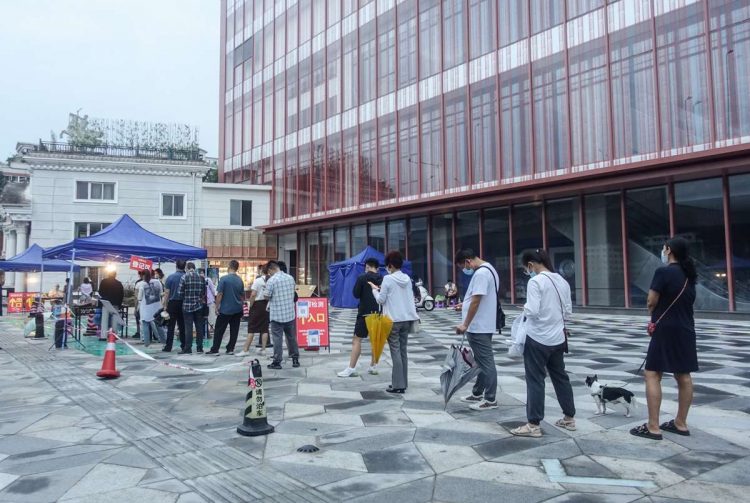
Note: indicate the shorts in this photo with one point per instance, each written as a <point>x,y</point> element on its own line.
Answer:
<point>360,327</point>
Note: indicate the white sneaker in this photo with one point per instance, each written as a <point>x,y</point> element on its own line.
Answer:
<point>473,398</point>
<point>242,353</point>
<point>483,405</point>
<point>262,351</point>
<point>373,370</point>
<point>348,372</point>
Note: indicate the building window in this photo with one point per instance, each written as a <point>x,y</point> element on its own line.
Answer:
<point>481,32</point>
<point>605,279</point>
<point>407,44</point>
<point>515,123</point>
<point>483,132</point>
<point>173,205</point>
<point>454,52</point>
<point>367,58</point>
<point>387,52</point>
<point>240,213</point>
<point>739,218</point>
<point>85,229</point>
<point>95,191</point>
<point>429,38</point>
<point>513,21</point>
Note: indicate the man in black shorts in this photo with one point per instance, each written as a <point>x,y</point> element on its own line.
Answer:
<point>367,305</point>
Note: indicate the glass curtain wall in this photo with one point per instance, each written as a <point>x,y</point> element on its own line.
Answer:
<point>442,251</point>
<point>359,238</point>
<point>496,246</point>
<point>397,235</point>
<point>527,235</point>
<point>604,266</point>
<point>418,252</point>
<point>467,236</point>
<point>327,253</point>
<point>376,236</point>
<point>563,236</point>
<point>739,209</point>
<point>342,251</point>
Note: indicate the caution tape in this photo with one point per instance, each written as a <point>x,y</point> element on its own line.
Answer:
<point>177,365</point>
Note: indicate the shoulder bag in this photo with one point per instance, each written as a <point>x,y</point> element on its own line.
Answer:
<point>500,317</point>
<point>651,327</point>
<point>566,332</point>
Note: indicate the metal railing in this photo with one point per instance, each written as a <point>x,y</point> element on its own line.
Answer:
<point>165,154</point>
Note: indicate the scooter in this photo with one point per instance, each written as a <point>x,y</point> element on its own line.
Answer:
<point>425,301</point>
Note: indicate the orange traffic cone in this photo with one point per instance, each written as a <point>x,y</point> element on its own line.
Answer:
<point>108,370</point>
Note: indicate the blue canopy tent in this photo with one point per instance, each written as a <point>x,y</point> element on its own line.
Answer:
<point>31,261</point>
<point>343,275</point>
<point>121,240</point>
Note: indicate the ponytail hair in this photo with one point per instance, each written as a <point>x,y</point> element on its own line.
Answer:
<point>679,248</point>
<point>538,256</point>
<point>146,275</point>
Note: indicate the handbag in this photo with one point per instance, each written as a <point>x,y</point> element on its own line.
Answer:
<point>566,332</point>
<point>500,317</point>
<point>651,327</point>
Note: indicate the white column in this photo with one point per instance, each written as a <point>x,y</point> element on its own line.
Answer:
<point>22,242</point>
<point>10,251</point>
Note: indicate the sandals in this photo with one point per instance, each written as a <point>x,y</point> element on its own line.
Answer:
<point>569,424</point>
<point>527,430</point>
<point>643,431</point>
<point>672,428</point>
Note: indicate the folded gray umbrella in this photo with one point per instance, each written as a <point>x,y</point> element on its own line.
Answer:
<point>458,369</point>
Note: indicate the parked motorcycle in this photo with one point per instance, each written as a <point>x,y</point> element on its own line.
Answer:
<point>425,300</point>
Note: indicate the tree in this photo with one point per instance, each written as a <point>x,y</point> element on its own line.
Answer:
<point>212,176</point>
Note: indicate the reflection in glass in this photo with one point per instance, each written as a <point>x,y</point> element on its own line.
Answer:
<point>397,235</point>
<point>527,235</point>
<point>376,236</point>
<point>739,208</point>
<point>417,252</point>
<point>496,235</point>
<point>563,238</point>
<point>442,251</point>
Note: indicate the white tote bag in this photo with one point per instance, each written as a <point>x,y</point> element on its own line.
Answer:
<point>517,337</point>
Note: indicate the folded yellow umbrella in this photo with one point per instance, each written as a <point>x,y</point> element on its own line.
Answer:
<point>379,328</point>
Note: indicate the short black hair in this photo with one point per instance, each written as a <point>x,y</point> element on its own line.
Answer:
<point>272,264</point>
<point>463,255</point>
<point>234,265</point>
<point>190,267</point>
<point>372,262</point>
<point>180,264</point>
<point>394,259</point>
<point>282,266</point>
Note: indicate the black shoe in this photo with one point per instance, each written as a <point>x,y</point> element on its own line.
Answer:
<point>230,352</point>
<point>295,362</point>
<point>199,351</point>
<point>212,353</point>
<point>167,350</point>
<point>395,390</point>
<point>185,353</point>
<point>274,366</point>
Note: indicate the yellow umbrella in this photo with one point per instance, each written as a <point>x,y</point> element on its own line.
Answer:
<point>379,328</point>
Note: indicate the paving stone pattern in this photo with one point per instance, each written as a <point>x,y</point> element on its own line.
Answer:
<point>166,434</point>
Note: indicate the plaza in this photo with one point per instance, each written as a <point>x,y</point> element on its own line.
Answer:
<point>168,435</point>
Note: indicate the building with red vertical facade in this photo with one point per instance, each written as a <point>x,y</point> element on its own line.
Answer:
<point>593,128</point>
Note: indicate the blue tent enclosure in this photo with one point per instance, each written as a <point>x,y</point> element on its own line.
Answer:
<point>343,275</point>
<point>121,240</point>
<point>31,261</point>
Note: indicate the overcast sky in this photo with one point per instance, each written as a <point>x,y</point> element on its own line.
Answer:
<point>155,60</point>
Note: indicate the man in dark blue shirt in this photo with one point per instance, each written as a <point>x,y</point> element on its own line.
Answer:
<point>229,302</point>
<point>173,299</point>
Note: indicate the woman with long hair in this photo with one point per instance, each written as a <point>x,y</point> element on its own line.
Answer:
<point>672,347</point>
<point>548,305</point>
<point>149,300</point>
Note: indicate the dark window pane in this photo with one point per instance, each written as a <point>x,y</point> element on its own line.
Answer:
<point>604,270</point>
<point>247,213</point>
<point>303,182</point>
<point>515,124</point>
<point>342,251</point>
<point>563,238</point>
<point>317,195</point>
<point>376,236</point>
<point>647,215</point>
<point>588,103</point>
<point>326,258</point>
<point>739,204</point>
<point>368,163</point>
<point>359,238</point>
<point>290,184</point>
<point>109,191</point>
<point>483,132</point>
<point>313,258</point>
<point>527,235</point>
<point>442,251</point>
<point>387,154</point>
<point>82,190</point>
<point>496,240</point>
<point>456,153</point>
<point>167,205</point>
<point>178,206</point>
<point>351,169</point>
<point>467,236</point>
<point>333,173</point>
<point>235,212</point>
<point>397,235</point>
<point>699,217</point>
<point>96,191</point>
<point>417,253</point>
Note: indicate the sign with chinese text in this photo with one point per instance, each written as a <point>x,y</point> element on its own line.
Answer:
<point>21,302</point>
<point>140,263</point>
<point>312,323</point>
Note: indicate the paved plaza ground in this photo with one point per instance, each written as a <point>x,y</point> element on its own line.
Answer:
<point>160,434</point>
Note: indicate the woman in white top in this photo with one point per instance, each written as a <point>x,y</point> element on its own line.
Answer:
<point>86,291</point>
<point>149,303</point>
<point>547,307</point>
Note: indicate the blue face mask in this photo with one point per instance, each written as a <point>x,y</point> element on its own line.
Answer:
<point>528,273</point>
<point>664,258</point>
<point>468,271</point>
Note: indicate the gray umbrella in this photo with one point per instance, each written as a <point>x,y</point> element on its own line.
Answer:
<point>458,369</point>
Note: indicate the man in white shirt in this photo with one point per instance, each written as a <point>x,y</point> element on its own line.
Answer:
<point>479,317</point>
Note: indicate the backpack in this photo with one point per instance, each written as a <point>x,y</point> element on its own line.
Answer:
<point>150,294</point>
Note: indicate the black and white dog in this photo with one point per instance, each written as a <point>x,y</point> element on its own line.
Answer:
<point>603,395</point>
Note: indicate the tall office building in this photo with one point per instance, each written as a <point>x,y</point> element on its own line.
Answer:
<point>593,128</point>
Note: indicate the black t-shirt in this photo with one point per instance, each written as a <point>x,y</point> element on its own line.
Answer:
<point>363,292</point>
<point>668,282</point>
<point>110,289</point>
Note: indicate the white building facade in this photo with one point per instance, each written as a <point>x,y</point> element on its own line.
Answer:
<point>73,196</point>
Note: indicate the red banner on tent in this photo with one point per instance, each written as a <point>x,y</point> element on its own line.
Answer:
<point>312,323</point>
<point>21,302</point>
<point>141,264</point>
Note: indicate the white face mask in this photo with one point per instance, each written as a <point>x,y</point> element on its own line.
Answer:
<point>664,257</point>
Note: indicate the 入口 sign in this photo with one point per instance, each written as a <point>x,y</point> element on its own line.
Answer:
<point>312,323</point>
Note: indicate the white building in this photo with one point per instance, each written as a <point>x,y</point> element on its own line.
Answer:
<point>74,193</point>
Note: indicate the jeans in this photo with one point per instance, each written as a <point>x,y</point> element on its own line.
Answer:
<point>108,322</point>
<point>536,358</point>
<point>197,318</point>
<point>174,308</point>
<point>150,331</point>
<point>288,329</point>
<point>222,320</point>
<point>481,345</point>
<point>397,342</point>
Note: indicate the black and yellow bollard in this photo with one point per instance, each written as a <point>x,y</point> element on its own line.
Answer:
<point>255,422</point>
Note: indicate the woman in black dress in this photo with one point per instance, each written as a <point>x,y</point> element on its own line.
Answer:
<point>672,348</point>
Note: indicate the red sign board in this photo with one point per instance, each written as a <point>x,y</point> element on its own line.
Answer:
<point>21,302</point>
<point>141,264</point>
<point>312,322</point>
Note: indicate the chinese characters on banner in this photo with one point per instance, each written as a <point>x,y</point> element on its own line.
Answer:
<point>312,322</point>
<point>21,302</point>
<point>140,263</point>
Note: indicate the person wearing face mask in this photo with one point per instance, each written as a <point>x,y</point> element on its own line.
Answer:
<point>673,342</point>
<point>395,295</point>
<point>479,316</point>
<point>548,305</point>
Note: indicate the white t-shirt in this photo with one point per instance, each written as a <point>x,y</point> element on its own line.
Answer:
<point>259,287</point>
<point>482,283</point>
<point>544,308</point>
